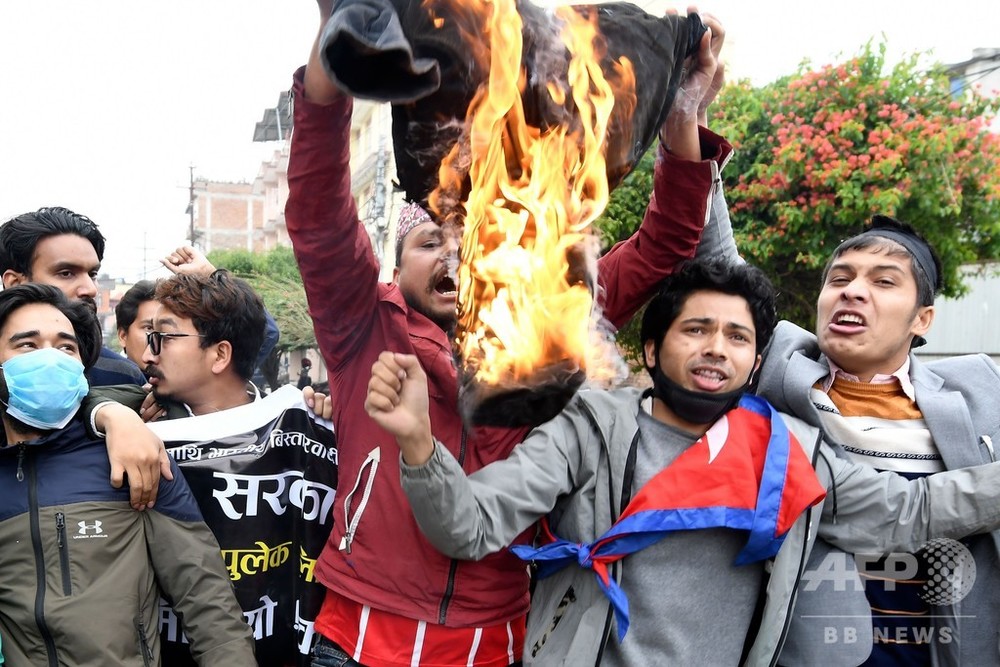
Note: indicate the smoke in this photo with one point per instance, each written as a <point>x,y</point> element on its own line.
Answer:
<point>605,366</point>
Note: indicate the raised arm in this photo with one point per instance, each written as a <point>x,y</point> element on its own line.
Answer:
<point>331,246</point>
<point>717,239</point>
<point>473,516</point>
<point>688,164</point>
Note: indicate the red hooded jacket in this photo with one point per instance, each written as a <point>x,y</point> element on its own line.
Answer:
<point>390,565</point>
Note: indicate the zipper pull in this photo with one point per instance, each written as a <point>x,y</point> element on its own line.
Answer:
<point>146,650</point>
<point>60,528</point>
<point>20,462</point>
<point>351,524</point>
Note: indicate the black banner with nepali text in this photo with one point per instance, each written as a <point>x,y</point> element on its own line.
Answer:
<point>265,476</point>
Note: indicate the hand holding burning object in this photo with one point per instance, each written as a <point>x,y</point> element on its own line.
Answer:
<point>552,115</point>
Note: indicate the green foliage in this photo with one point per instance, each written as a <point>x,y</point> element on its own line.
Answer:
<point>628,202</point>
<point>279,262</point>
<point>275,276</point>
<point>820,152</point>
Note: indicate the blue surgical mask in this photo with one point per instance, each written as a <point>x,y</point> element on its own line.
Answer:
<point>45,388</point>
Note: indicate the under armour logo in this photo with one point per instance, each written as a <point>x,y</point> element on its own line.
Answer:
<point>90,528</point>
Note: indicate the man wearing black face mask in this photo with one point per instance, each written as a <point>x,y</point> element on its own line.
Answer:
<point>82,573</point>
<point>661,508</point>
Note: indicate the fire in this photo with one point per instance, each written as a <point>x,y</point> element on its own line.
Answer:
<point>527,274</point>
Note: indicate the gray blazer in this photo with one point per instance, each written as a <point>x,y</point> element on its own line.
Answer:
<point>960,401</point>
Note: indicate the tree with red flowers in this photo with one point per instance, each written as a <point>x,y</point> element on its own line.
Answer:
<point>819,152</point>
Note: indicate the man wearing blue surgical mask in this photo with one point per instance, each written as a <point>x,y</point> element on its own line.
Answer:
<point>56,495</point>
<point>58,247</point>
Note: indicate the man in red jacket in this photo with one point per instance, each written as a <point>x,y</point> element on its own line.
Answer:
<point>392,598</point>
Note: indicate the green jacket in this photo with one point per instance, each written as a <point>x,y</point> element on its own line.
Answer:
<point>82,572</point>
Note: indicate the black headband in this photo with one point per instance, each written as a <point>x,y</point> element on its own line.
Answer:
<point>918,249</point>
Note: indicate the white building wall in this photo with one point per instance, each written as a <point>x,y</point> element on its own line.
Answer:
<point>970,324</point>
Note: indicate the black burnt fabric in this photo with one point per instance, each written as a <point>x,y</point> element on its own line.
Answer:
<point>367,53</point>
<point>390,50</point>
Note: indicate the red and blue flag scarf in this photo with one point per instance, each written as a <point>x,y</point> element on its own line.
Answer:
<point>747,472</point>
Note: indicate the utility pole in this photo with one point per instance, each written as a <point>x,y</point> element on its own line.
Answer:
<point>190,207</point>
<point>376,205</point>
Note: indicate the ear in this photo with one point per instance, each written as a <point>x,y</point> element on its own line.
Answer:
<point>12,278</point>
<point>121,338</point>
<point>649,354</point>
<point>756,367</point>
<point>223,357</point>
<point>922,321</point>
<point>395,276</point>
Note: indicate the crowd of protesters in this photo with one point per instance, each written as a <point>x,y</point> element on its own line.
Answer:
<point>161,510</point>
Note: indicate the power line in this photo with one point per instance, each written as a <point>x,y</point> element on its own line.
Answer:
<point>974,77</point>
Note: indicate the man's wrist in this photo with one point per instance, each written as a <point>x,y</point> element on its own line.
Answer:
<point>416,448</point>
<point>100,433</point>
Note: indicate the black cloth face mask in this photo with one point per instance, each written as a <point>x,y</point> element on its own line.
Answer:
<point>696,407</point>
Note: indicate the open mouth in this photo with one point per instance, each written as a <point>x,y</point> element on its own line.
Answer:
<point>848,320</point>
<point>446,286</point>
<point>709,379</point>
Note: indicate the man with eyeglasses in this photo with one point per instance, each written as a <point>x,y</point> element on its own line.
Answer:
<point>134,312</point>
<point>263,472</point>
<point>205,339</point>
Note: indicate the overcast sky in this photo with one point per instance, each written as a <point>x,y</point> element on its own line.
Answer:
<point>106,103</point>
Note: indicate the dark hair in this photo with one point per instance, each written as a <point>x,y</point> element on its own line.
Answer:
<point>20,235</point>
<point>128,308</point>
<point>222,307</point>
<point>85,325</point>
<point>713,275</point>
<point>927,287</point>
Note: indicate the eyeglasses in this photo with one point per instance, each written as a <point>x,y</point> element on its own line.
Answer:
<point>154,339</point>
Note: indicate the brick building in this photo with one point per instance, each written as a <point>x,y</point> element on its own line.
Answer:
<point>243,216</point>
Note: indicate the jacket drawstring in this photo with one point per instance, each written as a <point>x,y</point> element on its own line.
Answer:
<point>833,486</point>
<point>20,461</point>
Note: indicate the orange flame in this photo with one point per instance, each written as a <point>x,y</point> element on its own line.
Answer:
<point>528,272</point>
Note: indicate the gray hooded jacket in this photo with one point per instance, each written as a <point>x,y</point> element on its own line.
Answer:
<point>572,468</point>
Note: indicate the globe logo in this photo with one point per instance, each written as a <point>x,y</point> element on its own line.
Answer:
<point>951,571</point>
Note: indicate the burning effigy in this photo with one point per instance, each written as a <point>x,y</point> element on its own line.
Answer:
<point>514,122</point>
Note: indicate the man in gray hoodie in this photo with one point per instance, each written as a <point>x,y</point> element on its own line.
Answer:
<point>709,561</point>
